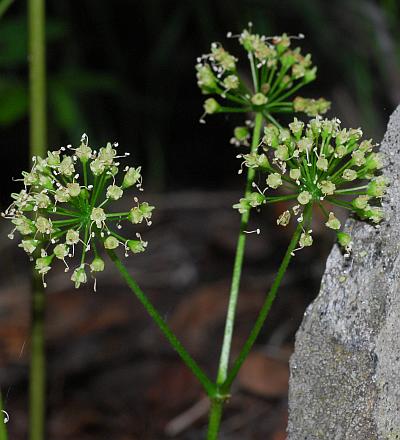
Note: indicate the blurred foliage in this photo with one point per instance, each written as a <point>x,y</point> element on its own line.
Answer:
<point>125,71</point>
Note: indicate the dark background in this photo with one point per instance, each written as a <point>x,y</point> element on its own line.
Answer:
<point>124,71</point>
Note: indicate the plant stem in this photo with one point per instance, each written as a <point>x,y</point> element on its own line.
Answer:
<point>215,419</point>
<point>37,380</point>
<point>218,401</point>
<point>237,267</point>
<point>38,127</point>
<point>3,428</point>
<point>208,386</point>
<point>266,307</point>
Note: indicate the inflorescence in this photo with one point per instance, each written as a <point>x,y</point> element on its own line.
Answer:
<point>277,70</point>
<point>321,165</point>
<point>63,207</point>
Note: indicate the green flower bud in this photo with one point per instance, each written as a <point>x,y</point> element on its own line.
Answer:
<point>111,242</point>
<point>374,161</point>
<point>79,277</point>
<point>66,167</point>
<point>297,128</point>
<point>98,216</point>
<point>43,264</point>
<point>295,173</point>
<point>322,163</point>
<point>282,152</point>
<point>211,106</point>
<point>114,192</point>
<point>62,195</point>
<point>44,225</point>
<point>259,99</point>
<point>349,174</point>
<point>23,225</point>
<point>97,265</point>
<point>241,133</point>
<point>327,187</point>
<point>366,146</point>
<point>131,177</point>
<point>358,157</point>
<point>377,187</point>
<point>72,237</point>
<point>361,202</point>
<point>73,189</point>
<point>53,158</point>
<point>255,199</point>
<point>107,154</point>
<point>333,222</point>
<point>274,180</point>
<point>42,200</point>
<point>305,240</point>
<point>136,246</point>
<point>231,82</point>
<point>243,206</point>
<point>97,167</point>
<point>304,197</point>
<point>29,246</point>
<point>205,77</point>
<point>375,214</point>
<point>61,251</point>
<point>84,153</point>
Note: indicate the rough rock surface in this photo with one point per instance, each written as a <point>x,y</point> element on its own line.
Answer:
<point>345,372</point>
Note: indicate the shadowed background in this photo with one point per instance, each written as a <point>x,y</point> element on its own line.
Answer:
<point>124,71</point>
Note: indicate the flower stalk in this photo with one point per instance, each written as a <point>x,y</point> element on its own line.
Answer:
<point>38,128</point>
<point>207,384</point>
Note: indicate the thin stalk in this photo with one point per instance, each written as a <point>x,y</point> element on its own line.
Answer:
<point>3,428</point>
<point>218,401</point>
<point>208,386</point>
<point>237,267</point>
<point>266,307</point>
<point>38,127</point>
<point>214,423</point>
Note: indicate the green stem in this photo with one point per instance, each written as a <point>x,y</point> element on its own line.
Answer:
<point>37,378</point>
<point>208,386</point>
<point>3,428</point>
<point>217,402</point>
<point>237,267</point>
<point>215,419</point>
<point>266,307</point>
<point>38,127</point>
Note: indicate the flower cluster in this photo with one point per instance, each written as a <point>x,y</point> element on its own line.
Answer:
<point>63,207</point>
<point>318,164</point>
<point>278,72</point>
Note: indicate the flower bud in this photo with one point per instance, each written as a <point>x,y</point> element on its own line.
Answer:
<point>304,197</point>
<point>274,180</point>
<point>305,240</point>
<point>79,277</point>
<point>136,246</point>
<point>333,222</point>
<point>61,251</point>
<point>211,106</point>
<point>259,99</point>
<point>97,265</point>
<point>132,176</point>
<point>111,242</point>
<point>114,192</point>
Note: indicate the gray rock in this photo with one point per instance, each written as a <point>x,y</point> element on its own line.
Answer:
<point>345,371</point>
